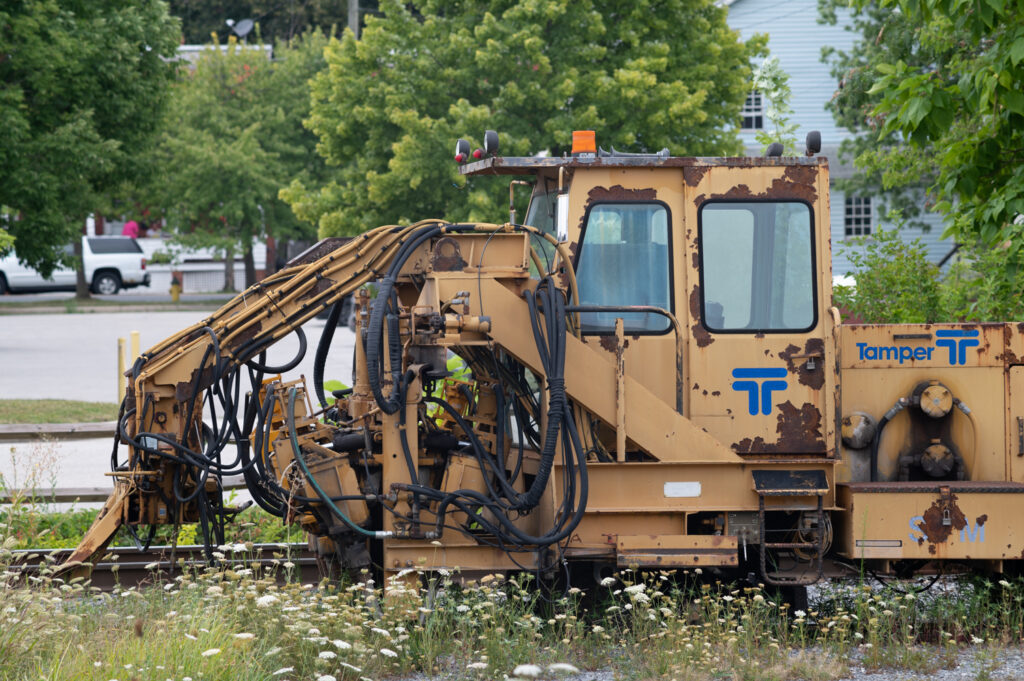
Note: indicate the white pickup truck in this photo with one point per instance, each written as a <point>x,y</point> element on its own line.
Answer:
<point>111,263</point>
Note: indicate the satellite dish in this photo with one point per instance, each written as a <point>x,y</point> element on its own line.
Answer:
<point>243,27</point>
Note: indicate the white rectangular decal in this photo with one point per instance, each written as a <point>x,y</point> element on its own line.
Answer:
<point>682,489</point>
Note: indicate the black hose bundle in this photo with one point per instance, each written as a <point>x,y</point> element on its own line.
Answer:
<point>502,501</point>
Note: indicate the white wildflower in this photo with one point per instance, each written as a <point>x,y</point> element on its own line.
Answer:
<point>354,668</point>
<point>800,613</point>
<point>327,655</point>
<point>267,601</point>
<point>563,667</point>
<point>245,636</point>
<point>387,652</point>
<point>607,581</point>
<point>476,665</point>
<point>975,640</point>
<point>635,589</point>
<point>190,637</point>
<point>284,670</point>
<point>211,652</point>
<point>326,677</point>
<point>463,608</point>
<point>382,632</point>
<point>341,645</point>
<point>527,670</point>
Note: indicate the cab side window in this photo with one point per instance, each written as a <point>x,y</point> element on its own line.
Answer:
<point>757,267</point>
<point>624,259</point>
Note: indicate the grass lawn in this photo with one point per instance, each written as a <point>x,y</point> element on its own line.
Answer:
<point>56,411</point>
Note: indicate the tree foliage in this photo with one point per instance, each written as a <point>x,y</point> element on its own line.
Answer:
<point>232,139</point>
<point>389,107</point>
<point>81,88</point>
<point>895,283</point>
<point>773,83</point>
<point>947,78</point>
<point>894,175</point>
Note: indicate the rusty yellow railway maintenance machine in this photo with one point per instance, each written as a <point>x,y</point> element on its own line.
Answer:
<point>656,377</point>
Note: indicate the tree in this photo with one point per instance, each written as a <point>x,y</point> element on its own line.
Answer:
<point>390,106</point>
<point>82,85</point>
<point>232,139</point>
<point>773,83</point>
<point>948,108</point>
<point>894,174</point>
<point>895,283</point>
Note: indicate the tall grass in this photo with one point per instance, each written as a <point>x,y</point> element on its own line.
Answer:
<point>235,622</point>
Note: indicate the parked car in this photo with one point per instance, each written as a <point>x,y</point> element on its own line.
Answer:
<point>111,263</point>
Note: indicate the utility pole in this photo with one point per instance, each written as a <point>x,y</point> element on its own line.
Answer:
<point>353,17</point>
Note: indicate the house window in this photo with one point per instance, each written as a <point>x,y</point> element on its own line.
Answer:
<point>753,112</point>
<point>858,216</point>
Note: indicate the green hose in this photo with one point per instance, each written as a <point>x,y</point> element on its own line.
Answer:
<point>380,534</point>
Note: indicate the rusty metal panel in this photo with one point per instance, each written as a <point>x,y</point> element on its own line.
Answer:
<point>1015,424</point>
<point>648,550</point>
<point>640,487</point>
<point>911,346</point>
<point>875,390</point>
<point>898,521</point>
<point>775,482</point>
<point>728,372</point>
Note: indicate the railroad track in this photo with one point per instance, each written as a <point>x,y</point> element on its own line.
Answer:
<point>128,566</point>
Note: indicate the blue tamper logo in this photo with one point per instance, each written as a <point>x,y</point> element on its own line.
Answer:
<point>759,387</point>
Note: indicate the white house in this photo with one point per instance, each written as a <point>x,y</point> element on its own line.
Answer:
<point>796,39</point>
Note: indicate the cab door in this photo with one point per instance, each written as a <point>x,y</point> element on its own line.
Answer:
<point>761,366</point>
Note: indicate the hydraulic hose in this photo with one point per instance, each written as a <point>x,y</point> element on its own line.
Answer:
<point>974,431</point>
<point>294,362</point>
<point>324,497</point>
<point>322,348</point>
<point>900,405</point>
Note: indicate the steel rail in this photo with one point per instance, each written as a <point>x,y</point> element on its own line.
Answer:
<point>128,566</point>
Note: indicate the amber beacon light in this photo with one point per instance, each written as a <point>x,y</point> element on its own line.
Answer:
<point>584,142</point>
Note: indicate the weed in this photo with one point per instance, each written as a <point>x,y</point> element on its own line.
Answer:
<point>236,621</point>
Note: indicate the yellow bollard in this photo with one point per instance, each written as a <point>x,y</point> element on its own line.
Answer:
<point>135,346</point>
<point>120,370</point>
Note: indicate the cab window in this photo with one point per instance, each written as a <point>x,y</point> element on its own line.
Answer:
<point>757,267</point>
<point>624,260</point>
<point>541,214</point>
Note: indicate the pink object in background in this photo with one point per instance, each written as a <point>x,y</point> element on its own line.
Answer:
<point>131,228</point>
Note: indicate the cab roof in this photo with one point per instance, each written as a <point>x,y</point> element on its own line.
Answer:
<point>530,165</point>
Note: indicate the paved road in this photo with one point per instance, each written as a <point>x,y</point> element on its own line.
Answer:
<point>74,356</point>
<point>137,295</point>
